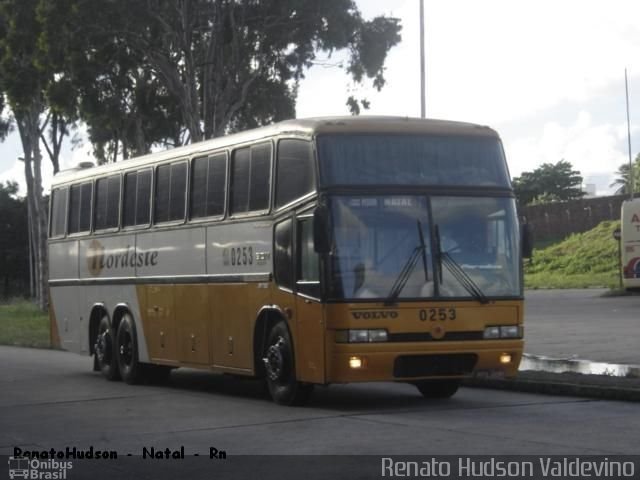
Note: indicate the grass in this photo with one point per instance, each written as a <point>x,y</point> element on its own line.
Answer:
<point>23,324</point>
<point>582,260</point>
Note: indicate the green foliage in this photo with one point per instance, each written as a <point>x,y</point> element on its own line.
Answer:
<point>146,71</point>
<point>20,75</point>
<point>103,81</point>
<point>581,260</point>
<point>548,183</point>
<point>622,180</point>
<point>14,260</point>
<point>23,324</point>
<point>582,280</point>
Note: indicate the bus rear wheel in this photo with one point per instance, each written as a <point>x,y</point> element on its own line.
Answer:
<point>279,364</point>
<point>437,388</point>
<point>105,355</point>
<point>131,370</point>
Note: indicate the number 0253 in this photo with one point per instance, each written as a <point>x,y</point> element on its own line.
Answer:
<point>434,314</point>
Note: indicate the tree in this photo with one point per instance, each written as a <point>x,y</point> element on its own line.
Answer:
<point>14,261</point>
<point>623,177</point>
<point>549,183</point>
<point>24,83</point>
<point>103,81</point>
<point>229,64</point>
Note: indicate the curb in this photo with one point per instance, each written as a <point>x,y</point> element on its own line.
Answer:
<point>601,387</point>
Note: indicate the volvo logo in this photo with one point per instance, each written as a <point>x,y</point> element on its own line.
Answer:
<point>437,332</point>
<point>375,314</point>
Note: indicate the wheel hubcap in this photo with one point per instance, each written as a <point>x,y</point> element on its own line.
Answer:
<point>274,361</point>
<point>102,348</point>
<point>125,350</point>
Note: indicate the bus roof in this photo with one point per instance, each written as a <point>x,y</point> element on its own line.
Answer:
<point>304,127</point>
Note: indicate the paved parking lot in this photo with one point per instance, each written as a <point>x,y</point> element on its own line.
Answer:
<point>583,324</point>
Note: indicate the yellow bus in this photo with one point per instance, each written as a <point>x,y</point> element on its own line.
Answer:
<point>308,252</point>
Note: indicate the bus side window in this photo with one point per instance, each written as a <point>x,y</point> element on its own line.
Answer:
<point>137,198</point>
<point>308,271</point>
<point>107,206</point>
<point>250,179</point>
<point>129,205</point>
<point>282,264</point>
<point>171,192</point>
<point>58,212</point>
<point>208,186</point>
<point>199,174</point>
<point>143,198</point>
<point>80,208</point>
<point>295,171</point>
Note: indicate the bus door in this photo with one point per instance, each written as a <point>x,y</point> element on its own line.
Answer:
<point>310,357</point>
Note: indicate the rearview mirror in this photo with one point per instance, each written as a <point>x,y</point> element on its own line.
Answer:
<point>321,243</point>
<point>526,240</point>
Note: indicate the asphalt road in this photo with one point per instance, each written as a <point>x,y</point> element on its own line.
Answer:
<point>52,399</point>
<point>583,324</point>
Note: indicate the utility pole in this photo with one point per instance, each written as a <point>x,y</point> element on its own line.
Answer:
<point>631,172</point>
<point>422,79</point>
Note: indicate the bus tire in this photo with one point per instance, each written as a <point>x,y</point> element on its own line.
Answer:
<point>280,369</point>
<point>105,352</point>
<point>438,388</point>
<point>131,370</point>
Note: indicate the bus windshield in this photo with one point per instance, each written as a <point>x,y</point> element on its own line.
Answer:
<point>412,160</point>
<point>380,241</point>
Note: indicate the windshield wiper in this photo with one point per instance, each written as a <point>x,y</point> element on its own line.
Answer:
<point>457,271</point>
<point>408,267</point>
<point>423,248</point>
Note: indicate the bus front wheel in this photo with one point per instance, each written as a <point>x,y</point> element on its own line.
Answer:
<point>438,388</point>
<point>280,369</point>
<point>127,351</point>
<point>105,355</point>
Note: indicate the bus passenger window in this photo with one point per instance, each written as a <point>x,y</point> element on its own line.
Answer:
<point>199,170</point>
<point>208,186</point>
<point>143,198</point>
<point>129,206</point>
<point>107,202</point>
<point>250,179</point>
<point>161,204</point>
<point>137,196</point>
<point>171,184</point>
<point>178,191</point>
<point>295,176</point>
<point>86,193</point>
<point>80,208</point>
<point>259,178</point>
<point>58,211</point>
<point>217,186</point>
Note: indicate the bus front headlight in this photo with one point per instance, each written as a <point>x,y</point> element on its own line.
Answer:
<point>361,336</point>
<point>502,331</point>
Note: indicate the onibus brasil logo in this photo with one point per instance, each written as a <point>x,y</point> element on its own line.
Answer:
<point>35,468</point>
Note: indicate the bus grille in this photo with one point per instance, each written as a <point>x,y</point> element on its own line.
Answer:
<point>434,365</point>
<point>426,337</point>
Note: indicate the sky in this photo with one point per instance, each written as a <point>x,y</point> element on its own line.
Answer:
<point>547,75</point>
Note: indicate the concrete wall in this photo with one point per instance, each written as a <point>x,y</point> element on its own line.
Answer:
<point>554,221</point>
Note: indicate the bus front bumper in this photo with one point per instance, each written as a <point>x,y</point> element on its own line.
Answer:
<point>380,362</point>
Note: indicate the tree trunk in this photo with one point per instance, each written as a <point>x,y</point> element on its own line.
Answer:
<point>28,121</point>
